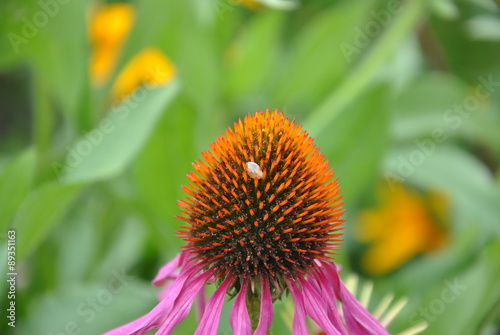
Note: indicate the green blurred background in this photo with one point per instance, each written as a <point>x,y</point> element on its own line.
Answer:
<point>403,97</point>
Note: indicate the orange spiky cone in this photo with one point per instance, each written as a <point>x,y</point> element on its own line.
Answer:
<point>274,225</point>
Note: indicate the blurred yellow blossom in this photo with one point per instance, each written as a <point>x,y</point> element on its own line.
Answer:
<point>250,4</point>
<point>108,29</point>
<point>148,67</point>
<point>110,25</point>
<point>404,225</point>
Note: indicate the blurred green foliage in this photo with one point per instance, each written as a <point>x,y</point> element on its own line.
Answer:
<point>408,90</point>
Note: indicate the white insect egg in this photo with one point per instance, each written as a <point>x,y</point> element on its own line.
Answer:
<point>254,170</point>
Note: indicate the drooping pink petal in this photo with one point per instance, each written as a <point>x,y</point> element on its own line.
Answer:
<point>155,317</point>
<point>167,270</point>
<point>183,303</point>
<point>200,304</point>
<point>326,291</point>
<point>165,289</point>
<point>299,319</point>
<point>240,320</point>
<point>210,321</point>
<point>184,279</point>
<point>144,324</point>
<point>358,319</point>
<point>317,308</point>
<point>266,308</point>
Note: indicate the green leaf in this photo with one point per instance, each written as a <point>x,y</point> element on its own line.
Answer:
<point>464,301</point>
<point>125,247</point>
<point>426,105</point>
<point>16,179</point>
<point>161,169</point>
<point>107,150</point>
<point>481,58</point>
<point>56,52</point>
<point>79,241</point>
<point>355,143</point>
<point>40,212</point>
<point>365,72</point>
<point>317,60</point>
<point>247,68</point>
<point>90,308</point>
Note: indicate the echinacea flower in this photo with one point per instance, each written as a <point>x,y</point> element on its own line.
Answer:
<point>263,218</point>
<point>403,215</point>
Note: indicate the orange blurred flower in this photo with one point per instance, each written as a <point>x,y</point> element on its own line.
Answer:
<point>148,67</point>
<point>405,224</point>
<point>250,4</point>
<point>109,27</point>
<point>108,30</point>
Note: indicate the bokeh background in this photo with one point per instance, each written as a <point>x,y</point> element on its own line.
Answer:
<point>104,106</point>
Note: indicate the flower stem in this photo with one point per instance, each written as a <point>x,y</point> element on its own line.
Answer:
<point>365,72</point>
<point>253,305</point>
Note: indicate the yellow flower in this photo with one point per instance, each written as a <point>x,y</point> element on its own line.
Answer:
<point>250,4</point>
<point>404,225</point>
<point>148,67</point>
<point>109,27</point>
<point>108,30</point>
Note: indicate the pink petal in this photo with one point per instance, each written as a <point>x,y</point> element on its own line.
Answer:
<point>183,303</point>
<point>210,321</point>
<point>184,279</point>
<point>144,324</point>
<point>200,304</point>
<point>168,269</point>
<point>266,308</point>
<point>357,318</point>
<point>164,291</point>
<point>328,294</point>
<point>299,318</point>
<point>240,321</point>
<point>155,317</point>
<point>317,308</point>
